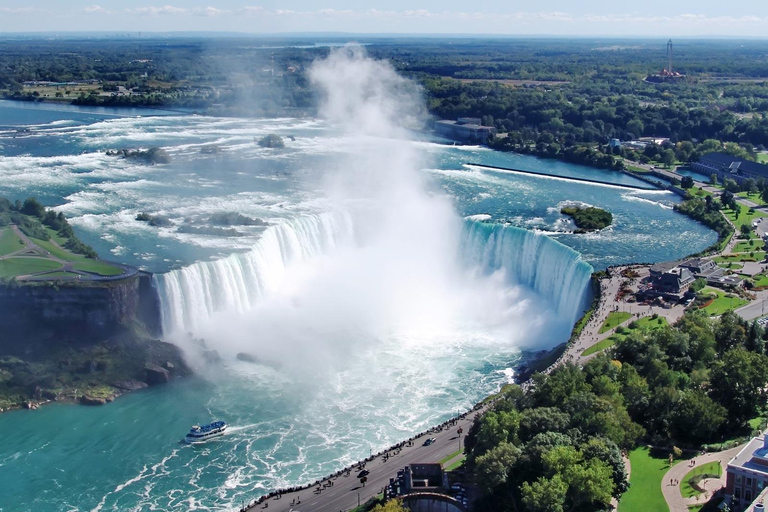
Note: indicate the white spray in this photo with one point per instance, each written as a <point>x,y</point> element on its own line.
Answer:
<point>384,273</point>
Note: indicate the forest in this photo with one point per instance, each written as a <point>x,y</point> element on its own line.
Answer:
<point>548,95</point>
<point>558,446</point>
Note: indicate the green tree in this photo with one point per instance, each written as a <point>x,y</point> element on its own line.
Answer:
<point>738,383</point>
<point>542,419</point>
<point>667,157</point>
<point>390,506</point>
<point>544,495</point>
<point>696,417</point>
<point>493,468</point>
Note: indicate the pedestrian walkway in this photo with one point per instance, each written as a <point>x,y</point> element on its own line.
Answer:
<point>671,491</point>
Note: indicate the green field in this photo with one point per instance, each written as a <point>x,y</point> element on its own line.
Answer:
<point>449,457</point>
<point>13,267</point>
<point>712,468</point>
<point>614,318</point>
<point>762,157</point>
<point>644,492</point>
<point>58,252</point>
<point>97,267</point>
<point>646,322</point>
<point>601,345</point>
<point>755,198</point>
<point>745,246</point>
<point>9,242</point>
<point>455,465</point>
<point>741,257</point>
<point>722,303</point>
<point>744,217</point>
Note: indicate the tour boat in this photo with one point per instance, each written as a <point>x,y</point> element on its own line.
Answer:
<point>202,433</point>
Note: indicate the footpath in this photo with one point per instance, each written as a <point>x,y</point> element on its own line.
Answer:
<point>671,489</point>
<point>344,490</point>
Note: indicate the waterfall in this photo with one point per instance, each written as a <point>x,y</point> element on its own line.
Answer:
<point>191,294</point>
<point>551,269</point>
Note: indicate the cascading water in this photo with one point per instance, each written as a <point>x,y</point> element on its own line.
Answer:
<point>192,294</point>
<point>554,271</point>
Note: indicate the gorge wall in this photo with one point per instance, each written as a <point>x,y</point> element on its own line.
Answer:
<point>31,315</point>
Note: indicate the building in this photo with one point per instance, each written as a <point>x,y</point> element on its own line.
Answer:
<point>465,129</point>
<point>670,279</point>
<point>724,166</point>
<point>673,278</point>
<point>747,473</point>
<point>614,143</point>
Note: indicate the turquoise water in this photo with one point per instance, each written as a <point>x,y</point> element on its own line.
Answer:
<point>333,382</point>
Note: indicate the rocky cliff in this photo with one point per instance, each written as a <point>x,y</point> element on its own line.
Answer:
<point>84,341</point>
<point>76,313</point>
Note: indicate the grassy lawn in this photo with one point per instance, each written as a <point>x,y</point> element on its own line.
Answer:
<point>58,252</point>
<point>712,468</point>
<point>9,242</point>
<point>744,217</point>
<point>755,198</point>
<point>741,257</point>
<point>745,246</point>
<point>645,483</point>
<point>614,319</point>
<point>700,192</point>
<point>759,279</point>
<point>601,345</point>
<point>98,267</point>
<point>13,267</point>
<point>449,457</point>
<point>61,274</point>
<point>646,322</point>
<point>722,303</point>
<point>455,465</point>
<point>762,157</point>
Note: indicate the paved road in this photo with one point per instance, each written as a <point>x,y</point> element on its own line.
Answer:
<point>346,490</point>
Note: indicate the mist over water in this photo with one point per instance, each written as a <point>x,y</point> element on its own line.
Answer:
<point>387,262</point>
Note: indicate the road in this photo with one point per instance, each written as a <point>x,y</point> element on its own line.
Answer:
<point>346,491</point>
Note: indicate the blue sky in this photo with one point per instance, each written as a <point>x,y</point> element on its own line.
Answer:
<point>664,18</point>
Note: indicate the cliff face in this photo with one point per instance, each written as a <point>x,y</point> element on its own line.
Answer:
<point>76,314</point>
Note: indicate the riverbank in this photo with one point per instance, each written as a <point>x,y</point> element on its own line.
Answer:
<point>64,370</point>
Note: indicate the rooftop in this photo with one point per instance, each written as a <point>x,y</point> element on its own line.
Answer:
<point>754,456</point>
<point>726,160</point>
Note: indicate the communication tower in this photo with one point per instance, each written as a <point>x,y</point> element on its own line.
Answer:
<point>669,57</point>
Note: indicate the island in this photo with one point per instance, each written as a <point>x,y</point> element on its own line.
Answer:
<point>75,327</point>
<point>589,218</point>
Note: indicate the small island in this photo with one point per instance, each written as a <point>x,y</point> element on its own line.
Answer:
<point>589,218</point>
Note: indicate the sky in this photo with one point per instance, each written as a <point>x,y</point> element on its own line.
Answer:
<point>653,18</point>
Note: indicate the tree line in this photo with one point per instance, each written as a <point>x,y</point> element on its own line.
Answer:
<point>558,446</point>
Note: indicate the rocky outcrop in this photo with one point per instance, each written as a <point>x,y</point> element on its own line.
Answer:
<point>89,400</point>
<point>156,375</point>
<point>129,385</point>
